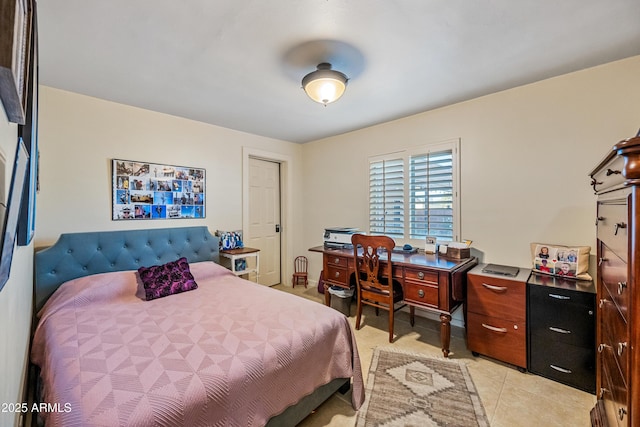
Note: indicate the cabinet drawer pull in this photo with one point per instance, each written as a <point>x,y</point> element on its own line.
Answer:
<point>601,260</point>
<point>613,172</point>
<point>601,347</point>
<point>603,301</point>
<point>495,288</point>
<point>621,287</point>
<point>621,413</point>
<point>421,275</point>
<point>559,330</point>
<point>602,392</point>
<point>556,296</point>
<point>618,226</point>
<point>420,293</point>
<point>559,369</point>
<point>336,261</point>
<point>621,347</point>
<point>494,329</point>
<point>337,274</point>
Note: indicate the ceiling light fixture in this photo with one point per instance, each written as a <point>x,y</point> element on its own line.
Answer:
<point>324,85</point>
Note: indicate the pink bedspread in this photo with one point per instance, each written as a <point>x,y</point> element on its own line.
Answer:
<point>230,353</point>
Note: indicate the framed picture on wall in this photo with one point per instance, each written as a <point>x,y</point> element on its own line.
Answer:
<point>29,134</point>
<point>15,29</point>
<point>143,190</point>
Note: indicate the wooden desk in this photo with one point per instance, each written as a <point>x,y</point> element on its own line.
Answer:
<point>240,253</point>
<point>430,282</point>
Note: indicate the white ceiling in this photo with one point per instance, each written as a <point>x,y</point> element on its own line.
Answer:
<point>239,63</point>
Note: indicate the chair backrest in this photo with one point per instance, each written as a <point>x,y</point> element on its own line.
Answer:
<point>370,262</point>
<point>300,264</point>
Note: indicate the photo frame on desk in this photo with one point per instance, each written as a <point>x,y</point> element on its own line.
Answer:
<point>15,28</point>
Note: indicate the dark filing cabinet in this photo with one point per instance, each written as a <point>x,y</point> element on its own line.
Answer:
<point>561,330</point>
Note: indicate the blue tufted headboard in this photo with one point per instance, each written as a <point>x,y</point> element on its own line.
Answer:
<point>81,254</point>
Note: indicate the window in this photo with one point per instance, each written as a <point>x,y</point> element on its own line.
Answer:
<point>413,193</point>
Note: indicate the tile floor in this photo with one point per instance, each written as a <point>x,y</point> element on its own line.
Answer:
<point>510,398</point>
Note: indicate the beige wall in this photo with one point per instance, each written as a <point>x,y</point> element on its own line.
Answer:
<point>15,297</point>
<point>525,158</point>
<point>79,136</point>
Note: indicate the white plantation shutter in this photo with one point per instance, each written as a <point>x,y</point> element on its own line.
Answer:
<point>431,195</point>
<point>413,194</point>
<point>386,197</point>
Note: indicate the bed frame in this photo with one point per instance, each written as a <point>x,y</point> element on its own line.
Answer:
<point>81,254</point>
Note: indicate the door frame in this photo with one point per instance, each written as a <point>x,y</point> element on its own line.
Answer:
<point>286,208</point>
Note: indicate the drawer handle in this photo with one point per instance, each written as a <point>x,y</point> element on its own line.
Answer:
<point>594,183</point>
<point>421,293</point>
<point>336,261</point>
<point>613,172</point>
<point>621,413</point>
<point>618,226</point>
<point>494,329</point>
<point>559,330</point>
<point>601,347</point>
<point>559,369</point>
<point>621,287</point>
<point>420,275</point>
<point>602,392</point>
<point>621,347</point>
<point>599,218</point>
<point>337,274</point>
<point>601,260</point>
<point>603,301</point>
<point>495,288</point>
<point>556,296</point>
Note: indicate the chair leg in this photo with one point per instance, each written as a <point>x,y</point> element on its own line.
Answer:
<point>391,324</point>
<point>358,314</point>
<point>412,315</point>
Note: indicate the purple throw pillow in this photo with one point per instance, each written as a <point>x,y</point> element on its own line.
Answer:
<point>167,279</point>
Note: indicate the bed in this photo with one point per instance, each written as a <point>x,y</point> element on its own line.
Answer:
<point>229,352</point>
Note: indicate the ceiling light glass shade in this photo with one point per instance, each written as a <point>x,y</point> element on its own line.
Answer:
<point>324,85</point>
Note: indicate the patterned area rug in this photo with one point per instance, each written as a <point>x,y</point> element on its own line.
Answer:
<point>409,389</point>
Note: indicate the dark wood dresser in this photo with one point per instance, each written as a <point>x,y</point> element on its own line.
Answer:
<point>496,316</point>
<point>616,181</point>
<point>561,317</point>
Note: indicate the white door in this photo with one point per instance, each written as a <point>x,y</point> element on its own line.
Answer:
<point>264,217</point>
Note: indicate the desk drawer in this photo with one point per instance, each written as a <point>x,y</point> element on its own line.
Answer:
<point>421,293</point>
<point>613,273</point>
<point>492,296</point>
<point>498,338</point>
<point>421,276</point>
<point>337,275</point>
<point>613,225</point>
<point>615,393</point>
<point>337,261</point>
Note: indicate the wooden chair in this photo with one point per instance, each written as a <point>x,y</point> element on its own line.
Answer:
<point>374,284</point>
<point>300,271</point>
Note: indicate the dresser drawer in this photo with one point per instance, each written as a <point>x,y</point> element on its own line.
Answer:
<point>609,176</point>
<point>614,335</point>
<point>613,225</point>
<point>421,293</point>
<point>492,296</point>
<point>565,363</point>
<point>613,274</point>
<point>559,315</point>
<point>615,392</point>
<point>498,338</point>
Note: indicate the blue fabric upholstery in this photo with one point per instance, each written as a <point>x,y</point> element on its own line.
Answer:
<point>80,254</point>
